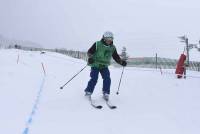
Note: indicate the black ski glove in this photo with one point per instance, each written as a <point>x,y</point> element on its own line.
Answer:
<point>90,61</point>
<point>123,63</point>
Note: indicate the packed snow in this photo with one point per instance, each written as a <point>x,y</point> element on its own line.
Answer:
<point>149,102</point>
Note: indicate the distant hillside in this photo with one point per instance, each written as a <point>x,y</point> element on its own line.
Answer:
<point>5,42</point>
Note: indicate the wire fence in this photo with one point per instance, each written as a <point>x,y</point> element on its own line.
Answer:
<point>158,62</point>
<point>141,62</point>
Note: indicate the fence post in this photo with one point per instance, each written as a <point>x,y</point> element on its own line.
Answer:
<point>79,55</point>
<point>198,67</point>
<point>18,59</point>
<point>161,70</point>
<point>156,61</point>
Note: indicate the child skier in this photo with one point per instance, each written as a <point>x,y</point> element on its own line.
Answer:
<point>99,57</point>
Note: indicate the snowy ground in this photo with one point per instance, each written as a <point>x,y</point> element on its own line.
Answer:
<point>149,103</point>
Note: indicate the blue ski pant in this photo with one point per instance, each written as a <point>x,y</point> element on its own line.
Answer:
<point>105,73</point>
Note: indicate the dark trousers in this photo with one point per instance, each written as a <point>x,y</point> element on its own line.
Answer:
<point>105,73</point>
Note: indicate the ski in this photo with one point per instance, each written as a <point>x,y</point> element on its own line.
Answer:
<point>94,105</point>
<point>110,105</point>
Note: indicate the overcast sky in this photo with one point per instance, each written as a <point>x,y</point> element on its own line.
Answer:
<point>76,24</point>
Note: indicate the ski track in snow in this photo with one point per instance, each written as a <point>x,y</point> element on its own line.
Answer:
<point>35,108</point>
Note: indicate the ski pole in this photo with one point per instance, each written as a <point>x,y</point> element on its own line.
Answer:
<point>72,77</point>
<point>120,80</point>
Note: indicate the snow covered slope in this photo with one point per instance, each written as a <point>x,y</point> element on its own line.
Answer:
<point>149,103</point>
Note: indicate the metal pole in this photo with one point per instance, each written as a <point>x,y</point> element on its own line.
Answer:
<point>120,80</point>
<point>73,77</point>
<point>188,58</point>
<point>187,48</point>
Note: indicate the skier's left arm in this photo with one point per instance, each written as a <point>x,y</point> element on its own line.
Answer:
<point>117,58</point>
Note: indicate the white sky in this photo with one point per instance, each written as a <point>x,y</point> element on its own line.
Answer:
<point>143,26</point>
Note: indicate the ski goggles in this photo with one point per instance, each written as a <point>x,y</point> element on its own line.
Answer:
<point>108,38</point>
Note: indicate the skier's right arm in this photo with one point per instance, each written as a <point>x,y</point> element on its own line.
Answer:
<point>90,53</point>
<point>92,50</point>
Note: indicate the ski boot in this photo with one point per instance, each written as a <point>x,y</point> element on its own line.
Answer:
<point>88,95</point>
<point>106,97</point>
